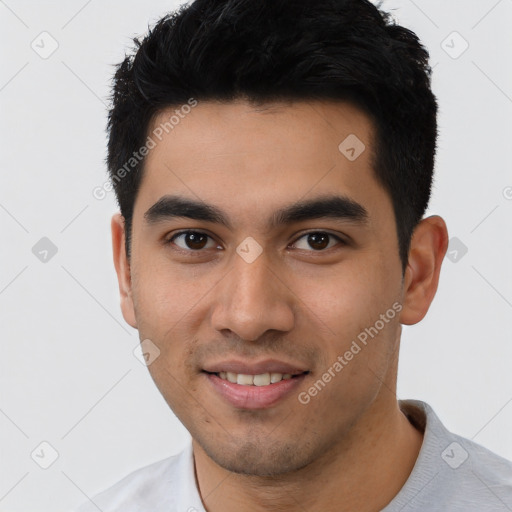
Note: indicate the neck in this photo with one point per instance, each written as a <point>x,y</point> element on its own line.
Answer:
<point>356,469</point>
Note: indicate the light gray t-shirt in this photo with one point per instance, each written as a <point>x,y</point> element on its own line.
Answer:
<point>451,474</point>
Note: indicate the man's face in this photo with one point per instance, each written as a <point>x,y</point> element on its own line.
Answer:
<point>296,293</point>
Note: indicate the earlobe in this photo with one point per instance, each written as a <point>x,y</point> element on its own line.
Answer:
<point>428,248</point>
<point>122,266</point>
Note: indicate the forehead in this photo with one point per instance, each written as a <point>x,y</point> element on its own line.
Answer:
<point>233,127</point>
<point>252,158</point>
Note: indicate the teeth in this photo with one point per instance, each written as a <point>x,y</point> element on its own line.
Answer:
<point>276,377</point>
<point>244,379</point>
<point>263,379</point>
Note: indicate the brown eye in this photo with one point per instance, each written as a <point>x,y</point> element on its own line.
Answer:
<point>191,240</point>
<point>318,240</point>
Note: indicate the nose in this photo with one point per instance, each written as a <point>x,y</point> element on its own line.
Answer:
<point>252,299</point>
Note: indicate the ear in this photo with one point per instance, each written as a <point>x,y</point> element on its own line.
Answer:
<point>122,265</point>
<point>428,248</point>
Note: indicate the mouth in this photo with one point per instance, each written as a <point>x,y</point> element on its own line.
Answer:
<point>245,391</point>
<point>261,379</point>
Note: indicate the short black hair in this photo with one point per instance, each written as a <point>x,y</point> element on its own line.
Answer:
<point>284,50</point>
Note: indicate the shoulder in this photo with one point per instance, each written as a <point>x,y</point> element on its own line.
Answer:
<point>148,488</point>
<point>473,477</point>
<point>452,472</point>
<point>493,471</point>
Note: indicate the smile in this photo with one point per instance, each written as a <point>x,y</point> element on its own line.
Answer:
<point>254,391</point>
<point>262,379</point>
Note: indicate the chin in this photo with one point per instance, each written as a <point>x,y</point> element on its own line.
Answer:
<point>258,458</point>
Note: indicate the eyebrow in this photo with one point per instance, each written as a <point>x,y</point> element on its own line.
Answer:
<point>332,206</point>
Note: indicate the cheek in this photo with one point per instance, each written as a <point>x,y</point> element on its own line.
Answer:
<point>164,311</point>
<point>346,309</point>
<point>346,301</point>
<point>172,372</point>
<point>164,293</point>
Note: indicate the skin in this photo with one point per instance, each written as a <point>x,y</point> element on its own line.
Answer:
<point>293,303</point>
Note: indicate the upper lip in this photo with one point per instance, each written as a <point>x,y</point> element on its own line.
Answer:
<point>254,368</point>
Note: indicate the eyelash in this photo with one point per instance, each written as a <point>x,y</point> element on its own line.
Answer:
<point>190,231</point>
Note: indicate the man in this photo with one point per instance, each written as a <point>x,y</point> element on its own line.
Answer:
<point>273,162</point>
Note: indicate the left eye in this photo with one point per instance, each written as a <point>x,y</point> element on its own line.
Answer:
<point>319,240</point>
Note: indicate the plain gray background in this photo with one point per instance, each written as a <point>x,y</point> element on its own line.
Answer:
<point>68,374</point>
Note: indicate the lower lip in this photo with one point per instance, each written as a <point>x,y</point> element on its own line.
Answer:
<point>254,397</point>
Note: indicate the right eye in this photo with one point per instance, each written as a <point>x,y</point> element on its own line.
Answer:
<point>193,241</point>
